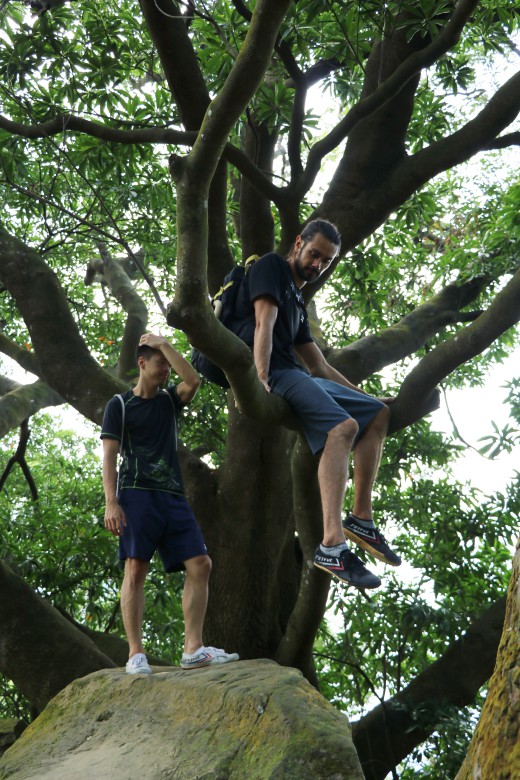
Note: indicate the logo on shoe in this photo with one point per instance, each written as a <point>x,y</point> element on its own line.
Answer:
<point>200,658</point>
<point>331,563</point>
<point>367,533</point>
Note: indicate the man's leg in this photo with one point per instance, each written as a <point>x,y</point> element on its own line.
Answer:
<point>333,555</point>
<point>332,479</point>
<point>195,600</point>
<point>132,602</point>
<point>367,457</point>
<point>359,527</point>
<point>194,603</point>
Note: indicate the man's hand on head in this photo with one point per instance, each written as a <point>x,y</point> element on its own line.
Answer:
<point>152,340</point>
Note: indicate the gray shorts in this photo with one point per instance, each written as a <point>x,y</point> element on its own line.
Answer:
<point>321,404</point>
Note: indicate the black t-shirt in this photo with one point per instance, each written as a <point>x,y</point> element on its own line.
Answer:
<point>271,276</point>
<point>150,460</point>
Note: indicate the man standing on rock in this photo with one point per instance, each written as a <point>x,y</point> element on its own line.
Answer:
<point>146,508</point>
<point>336,416</point>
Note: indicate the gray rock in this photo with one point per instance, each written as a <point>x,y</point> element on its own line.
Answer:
<point>251,720</point>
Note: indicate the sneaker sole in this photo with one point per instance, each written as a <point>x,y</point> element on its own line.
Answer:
<point>346,582</point>
<point>209,663</point>
<point>196,666</point>
<point>368,547</point>
<point>139,671</point>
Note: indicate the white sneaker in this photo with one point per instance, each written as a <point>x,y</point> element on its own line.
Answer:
<point>138,664</point>
<point>206,656</point>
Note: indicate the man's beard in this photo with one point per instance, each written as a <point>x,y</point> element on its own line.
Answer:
<point>306,275</point>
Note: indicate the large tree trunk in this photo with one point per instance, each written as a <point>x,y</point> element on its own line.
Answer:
<point>245,510</point>
<point>494,751</point>
<point>40,651</point>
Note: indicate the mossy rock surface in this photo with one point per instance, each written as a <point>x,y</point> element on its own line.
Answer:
<point>251,720</point>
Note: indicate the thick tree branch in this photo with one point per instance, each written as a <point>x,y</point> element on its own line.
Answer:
<point>123,291</point>
<point>390,732</point>
<point>27,360</point>
<point>62,651</point>
<point>191,310</point>
<point>170,35</point>
<point>477,135</point>
<point>317,72</point>
<point>388,89</point>
<point>371,353</point>
<point>503,142</point>
<point>199,479</point>
<point>296,129</point>
<point>54,333</point>
<point>23,401</point>
<point>502,314</point>
<point>7,385</point>
<point>296,646</point>
<point>256,215</point>
<point>72,123</point>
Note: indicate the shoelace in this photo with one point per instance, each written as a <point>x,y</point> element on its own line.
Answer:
<point>352,562</point>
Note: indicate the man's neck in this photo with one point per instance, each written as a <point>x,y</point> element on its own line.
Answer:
<point>145,389</point>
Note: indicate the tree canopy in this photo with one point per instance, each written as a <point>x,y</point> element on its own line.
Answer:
<point>145,148</point>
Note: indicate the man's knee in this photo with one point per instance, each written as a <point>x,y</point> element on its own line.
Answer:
<point>135,572</point>
<point>199,568</point>
<point>347,429</point>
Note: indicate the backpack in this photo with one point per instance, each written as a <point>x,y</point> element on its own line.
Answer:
<point>223,303</point>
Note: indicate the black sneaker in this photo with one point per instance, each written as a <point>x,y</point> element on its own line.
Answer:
<point>371,540</point>
<point>347,568</point>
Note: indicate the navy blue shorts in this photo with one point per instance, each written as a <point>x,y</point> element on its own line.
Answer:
<point>161,521</point>
<point>321,404</point>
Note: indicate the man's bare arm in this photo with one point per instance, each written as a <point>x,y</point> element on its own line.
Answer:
<point>266,312</point>
<point>314,359</point>
<point>114,515</point>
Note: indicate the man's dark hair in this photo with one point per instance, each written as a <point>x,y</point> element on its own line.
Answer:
<point>143,350</point>
<point>324,227</point>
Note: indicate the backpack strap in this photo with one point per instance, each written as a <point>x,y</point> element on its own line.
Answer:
<point>118,395</point>
<point>235,277</point>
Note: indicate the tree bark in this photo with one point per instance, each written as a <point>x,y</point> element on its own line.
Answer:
<point>40,651</point>
<point>494,751</point>
<point>24,401</point>
<point>245,511</point>
<point>55,336</point>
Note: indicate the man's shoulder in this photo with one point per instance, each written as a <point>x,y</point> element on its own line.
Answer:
<point>271,266</point>
<point>115,401</point>
<point>271,260</point>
